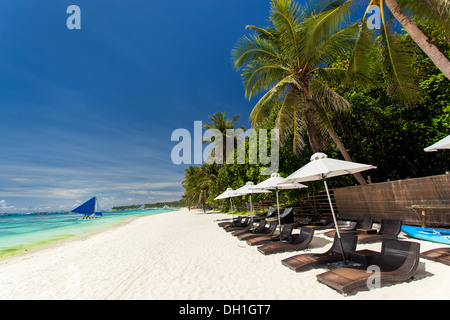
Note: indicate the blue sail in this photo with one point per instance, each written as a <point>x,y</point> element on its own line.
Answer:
<point>87,208</point>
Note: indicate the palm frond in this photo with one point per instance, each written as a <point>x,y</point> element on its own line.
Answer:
<point>364,63</point>
<point>249,48</point>
<point>328,99</point>
<point>261,75</point>
<point>323,24</point>
<point>262,33</point>
<point>437,11</point>
<point>401,81</point>
<point>285,15</point>
<point>334,46</point>
<point>276,93</point>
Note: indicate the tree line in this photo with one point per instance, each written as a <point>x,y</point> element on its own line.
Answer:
<point>335,86</point>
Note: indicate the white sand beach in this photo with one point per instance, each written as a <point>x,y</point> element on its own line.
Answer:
<point>185,255</point>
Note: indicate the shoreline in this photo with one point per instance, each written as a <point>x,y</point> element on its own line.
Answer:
<point>68,235</point>
<point>184,255</point>
<point>59,242</point>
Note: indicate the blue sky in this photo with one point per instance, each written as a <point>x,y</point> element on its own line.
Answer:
<point>90,112</point>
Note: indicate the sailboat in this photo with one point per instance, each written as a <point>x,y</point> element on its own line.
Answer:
<point>142,207</point>
<point>88,209</point>
<point>166,207</point>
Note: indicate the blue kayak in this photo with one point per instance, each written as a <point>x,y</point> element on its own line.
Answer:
<point>429,234</point>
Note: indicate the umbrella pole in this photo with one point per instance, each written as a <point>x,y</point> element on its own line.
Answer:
<point>334,218</point>
<point>251,209</point>
<point>279,219</point>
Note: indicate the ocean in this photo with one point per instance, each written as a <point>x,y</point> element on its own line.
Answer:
<point>22,232</point>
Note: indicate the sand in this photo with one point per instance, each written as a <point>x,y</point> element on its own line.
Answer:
<point>184,255</point>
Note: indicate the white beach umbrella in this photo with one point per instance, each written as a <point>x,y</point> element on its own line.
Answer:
<point>247,189</point>
<point>229,193</point>
<point>320,168</point>
<point>277,182</point>
<point>441,144</point>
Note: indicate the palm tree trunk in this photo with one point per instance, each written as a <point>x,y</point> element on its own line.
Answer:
<point>344,153</point>
<point>312,133</point>
<point>438,58</point>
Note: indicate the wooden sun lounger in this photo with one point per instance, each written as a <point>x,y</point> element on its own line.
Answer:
<point>267,231</point>
<point>398,262</point>
<point>234,222</point>
<point>305,261</point>
<point>441,255</point>
<point>361,224</point>
<point>287,216</point>
<point>329,223</point>
<point>285,231</point>
<point>245,224</point>
<point>299,242</point>
<point>261,226</point>
<point>389,229</point>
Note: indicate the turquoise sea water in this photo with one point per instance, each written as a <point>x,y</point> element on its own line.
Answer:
<point>22,232</point>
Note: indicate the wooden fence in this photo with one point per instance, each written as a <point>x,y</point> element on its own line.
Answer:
<point>419,201</point>
<point>311,204</point>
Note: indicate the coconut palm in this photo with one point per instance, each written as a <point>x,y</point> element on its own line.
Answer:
<point>401,10</point>
<point>227,128</point>
<point>435,9</point>
<point>197,185</point>
<point>283,60</point>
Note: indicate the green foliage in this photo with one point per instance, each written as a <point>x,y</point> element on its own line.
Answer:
<point>376,129</point>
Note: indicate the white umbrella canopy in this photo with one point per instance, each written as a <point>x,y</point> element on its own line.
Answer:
<point>229,193</point>
<point>248,189</point>
<point>277,182</point>
<point>441,144</point>
<point>320,168</point>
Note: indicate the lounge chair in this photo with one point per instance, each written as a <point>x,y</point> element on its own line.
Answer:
<point>234,222</point>
<point>361,224</point>
<point>389,229</point>
<point>294,243</point>
<point>305,261</point>
<point>398,262</point>
<point>266,231</point>
<point>286,217</point>
<point>261,226</point>
<point>271,212</point>
<point>245,224</point>
<point>285,231</point>
<point>327,224</point>
<point>439,255</point>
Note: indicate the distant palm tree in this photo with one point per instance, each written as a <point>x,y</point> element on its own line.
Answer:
<point>227,128</point>
<point>197,185</point>
<point>283,61</point>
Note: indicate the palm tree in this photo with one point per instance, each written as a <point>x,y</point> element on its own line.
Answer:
<point>441,9</point>
<point>227,128</point>
<point>435,10</point>
<point>197,185</point>
<point>283,60</point>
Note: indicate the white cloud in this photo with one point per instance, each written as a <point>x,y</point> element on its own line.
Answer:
<point>4,206</point>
